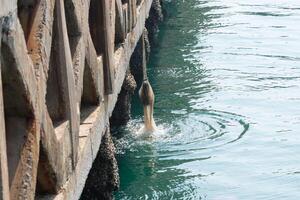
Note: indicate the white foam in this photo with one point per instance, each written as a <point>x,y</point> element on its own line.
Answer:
<point>160,132</point>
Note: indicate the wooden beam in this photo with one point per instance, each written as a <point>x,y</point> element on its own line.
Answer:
<point>126,17</point>
<point>120,23</point>
<point>96,68</point>
<point>4,181</point>
<point>66,66</point>
<point>22,121</point>
<point>130,24</point>
<point>133,13</point>
<point>108,54</point>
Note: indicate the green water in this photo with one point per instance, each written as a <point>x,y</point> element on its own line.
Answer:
<point>226,75</point>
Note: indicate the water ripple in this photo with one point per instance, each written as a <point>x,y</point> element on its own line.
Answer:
<point>226,77</point>
<point>207,129</point>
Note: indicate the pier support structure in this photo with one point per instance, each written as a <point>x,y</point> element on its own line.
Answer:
<point>62,66</point>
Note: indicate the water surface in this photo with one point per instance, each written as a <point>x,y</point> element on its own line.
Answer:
<point>226,75</point>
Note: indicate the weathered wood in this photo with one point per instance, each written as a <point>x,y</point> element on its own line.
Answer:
<point>96,70</point>
<point>54,170</point>
<point>26,12</point>
<point>90,142</point>
<point>85,65</point>
<point>73,9</point>
<point>101,19</point>
<point>24,181</point>
<point>130,16</point>
<point>126,17</point>
<point>4,182</point>
<point>120,24</point>
<point>7,6</point>
<point>133,13</point>
<point>20,100</point>
<point>108,58</point>
<point>39,43</point>
<point>66,66</point>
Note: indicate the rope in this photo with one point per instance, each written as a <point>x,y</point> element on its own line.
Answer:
<point>145,77</point>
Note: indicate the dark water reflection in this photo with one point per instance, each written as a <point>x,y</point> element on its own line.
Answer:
<point>227,80</point>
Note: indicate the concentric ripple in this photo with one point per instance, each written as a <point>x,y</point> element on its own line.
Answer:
<point>185,141</point>
<point>208,129</point>
<point>198,130</point>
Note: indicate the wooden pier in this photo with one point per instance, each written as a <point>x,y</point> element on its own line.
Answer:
<point>62,66</point>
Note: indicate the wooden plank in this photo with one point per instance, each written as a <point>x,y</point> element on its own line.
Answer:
<point>65,61</point>
<point>4,182</point>
<point>108,54</point>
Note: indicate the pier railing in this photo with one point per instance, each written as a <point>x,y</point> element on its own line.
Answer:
<point>62,66</point>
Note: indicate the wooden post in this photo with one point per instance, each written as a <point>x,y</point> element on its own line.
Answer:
<point>68,82</point>
<point>96,69</point>
<point>4,182</point>
<point>130,24</point>
<point>120,23</point>
<point>126,21</point>
<point>133,13</point>
<point>108,54</point>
